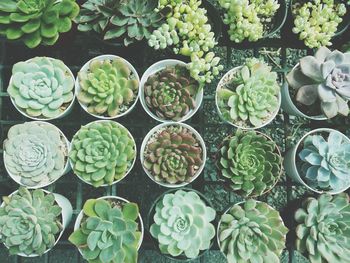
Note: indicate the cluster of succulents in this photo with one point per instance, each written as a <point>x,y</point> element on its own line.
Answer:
<point>108,87</point>
<point>248,96</point>
<point>322,81</point>
<point>171,92</point>
<point>317,21</point>
<point>29,222</point>
<point>252,232</point>
<point>102,152</point>
<point>35,153</point>
<point>173,155</point>
<point>182,224</point>
<point>36,22</point>
<point>250,162</point>
<point>248,19</point>
<point>41,87</point>
<point>109,231</point>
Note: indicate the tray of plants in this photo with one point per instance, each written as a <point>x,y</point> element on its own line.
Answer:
<point>158,131</point>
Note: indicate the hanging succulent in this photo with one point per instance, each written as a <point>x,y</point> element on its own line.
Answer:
<point>36,22</point>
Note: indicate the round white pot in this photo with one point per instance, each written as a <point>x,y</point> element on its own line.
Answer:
<point>86,68</point>
<point>156,67</point>
<point>291,167</point>
<point>67,166</point>
<point>156,129</point>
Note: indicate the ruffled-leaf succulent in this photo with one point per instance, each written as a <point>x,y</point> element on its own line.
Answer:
<point>252,232</point>
<point>29,222</point>
<point>41,87</point>
<point>182,224</point>
<point>249,162</point>
<point>109,232</point>
<point>102,153</point>
<point>35,153</point>
<point>108,87</point>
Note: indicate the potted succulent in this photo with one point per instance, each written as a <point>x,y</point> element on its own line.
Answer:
<point>38,21</point>
<point>320,161</point>
<point>251,231</point>
<point>318,86</point>
<point>181,224</point>
<point>102,153</point>
<point>169,93</point>
<point>41,88</point>
<point>248,97</point>
<point>173,154</point>
<point>108,229</point>
<point>32,221</point>
<point>107,87</point>
<point>36,154</point>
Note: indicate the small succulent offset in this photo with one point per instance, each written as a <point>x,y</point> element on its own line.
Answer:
<point>102,152</point>
<point>250,162</point>
<point>41,87</point>
<point>323,228</point>
<point>29,222</point>
<point>171,92</point>
<point>182,224</point>
<point>173,155</point>
<point>36,22</point>
<point>109,232</point>
<point>323,81</point>
<point>249,96</point>
<point>35,152</point>
<point>108,87</point>
<point>252,232</point>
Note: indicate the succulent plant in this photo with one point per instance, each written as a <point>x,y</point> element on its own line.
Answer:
<point>182,224</point>
<point>323,81</point>
<point>249,95</point>
<point>41,87</point>
<point>323,228</point>
<point>250,162</point>
<point>102,152</point>
<point>29,222</point>
<point>252,232</point>
<point>109,232</point>
<point>35,152</point>
<point>36,22</point>
<point>173,155</point>
<point>171,92</point>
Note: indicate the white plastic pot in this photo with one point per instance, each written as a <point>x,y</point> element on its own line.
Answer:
<point>156,67</point>
<point>86,68</point>
<point>160,127</point>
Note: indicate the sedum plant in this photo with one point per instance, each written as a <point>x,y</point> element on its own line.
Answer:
<point>41,87</point>
<point>36,22</point>
<point>109,232</point>
<point>252,232</point>
<point>35,153</point>
<point>323,228</point>
<point>182,224</point>
<point>322,81</point>
<point>102,152</point>
<point>250,162</point>
<point>30,222</point>
<point>108,87</point>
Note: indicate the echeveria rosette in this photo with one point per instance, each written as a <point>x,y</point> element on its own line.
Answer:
<point>41,87</point>
<point>102,152</point>
<point>249,162</point>
<point>323,81</point>
<point>252,232</point>
<point>29,222</point>
<point>323,230</point>
<point>36,153</point>
<point>182,224</point>
<point>109,232</point>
